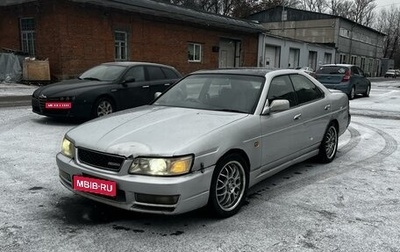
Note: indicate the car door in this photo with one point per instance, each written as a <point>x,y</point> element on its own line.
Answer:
<point>364,82</point>
<point>357,79</point>
<point>315,111</point>
<point>159,79</point>
<point>281,132</point>
<point>134,89</point>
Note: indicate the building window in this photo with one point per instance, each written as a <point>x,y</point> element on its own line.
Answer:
<point>353,60</point>
<point>121,42</point>
<point>327,58</point>
<point>362,64</point>
<point>342,59</point>
<point>194,52</point>
<point>28,38</point>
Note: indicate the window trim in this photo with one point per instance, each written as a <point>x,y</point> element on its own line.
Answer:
<point>121,44</point>
<point>194,52</point>
<point>28,37</point>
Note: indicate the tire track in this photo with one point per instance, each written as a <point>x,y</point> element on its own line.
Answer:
<point>354,141</point>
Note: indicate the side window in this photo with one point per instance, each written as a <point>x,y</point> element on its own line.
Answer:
<point>136,73</point>
<point>282,88</point>
<point>169,73</point>
<point>305,89</point>
<point>354,70</point>
<point>360,72</point>
<point>155,73</point>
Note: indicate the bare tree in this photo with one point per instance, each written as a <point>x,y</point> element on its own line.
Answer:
<point>314,5</point>
<point>389,23</point>
<point>362,11</point>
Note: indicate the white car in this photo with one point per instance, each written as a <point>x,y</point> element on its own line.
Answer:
<point>204,141</point>
<point>392,73</point>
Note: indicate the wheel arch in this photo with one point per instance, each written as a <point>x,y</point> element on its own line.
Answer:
<point>99,97</point>
<point>242,154</point>
<point>106,96</point>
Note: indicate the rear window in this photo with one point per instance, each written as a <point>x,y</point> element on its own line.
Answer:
<point>332,70</point>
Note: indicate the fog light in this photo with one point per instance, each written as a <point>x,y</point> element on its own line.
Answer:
<point>157,199</point>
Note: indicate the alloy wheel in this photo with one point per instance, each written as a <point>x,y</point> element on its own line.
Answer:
<point>231,184</point>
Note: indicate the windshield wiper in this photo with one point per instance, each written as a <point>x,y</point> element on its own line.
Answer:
<point>232,110</point>
<point>90,78</point>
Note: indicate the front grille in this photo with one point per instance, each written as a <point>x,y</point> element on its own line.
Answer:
<point>100,160</point>
<point>42,103</point>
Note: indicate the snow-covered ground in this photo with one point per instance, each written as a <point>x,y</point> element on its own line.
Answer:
<point>15,89</point>
<point>351,204</point>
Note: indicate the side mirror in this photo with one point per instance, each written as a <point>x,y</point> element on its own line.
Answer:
<point>276,106</point>
<point>157,94</point>
<point>128,80</point>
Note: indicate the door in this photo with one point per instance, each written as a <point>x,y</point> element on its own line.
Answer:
<point>229,53</point>
<point>272,54</point>
<point>134,89</point>
<point>282,132</point>
<point>315,110</point>
<point>159,79</point>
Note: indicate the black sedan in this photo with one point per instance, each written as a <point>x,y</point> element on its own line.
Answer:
<point>104,89</point>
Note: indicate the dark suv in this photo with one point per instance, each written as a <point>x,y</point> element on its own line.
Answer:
<point>348,78</point>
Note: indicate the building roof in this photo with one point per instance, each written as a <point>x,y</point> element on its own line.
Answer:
<point>169,11</point>
<point>274,14</point>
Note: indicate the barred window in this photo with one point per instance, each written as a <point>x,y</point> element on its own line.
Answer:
<point>28,37</point>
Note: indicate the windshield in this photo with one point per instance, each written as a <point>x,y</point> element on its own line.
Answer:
<point>103,73</point>
<point>223,92</point>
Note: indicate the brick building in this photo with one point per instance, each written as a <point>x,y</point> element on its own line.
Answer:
<point>76,34</point>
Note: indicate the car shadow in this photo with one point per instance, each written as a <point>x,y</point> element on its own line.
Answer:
<point>78,211</point>
<point>58,121</point>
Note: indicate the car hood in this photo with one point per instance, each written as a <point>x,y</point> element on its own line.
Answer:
<point>68,87</point>
<point>151,130</point>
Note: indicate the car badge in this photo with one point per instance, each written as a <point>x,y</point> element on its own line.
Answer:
<point>42,96</point>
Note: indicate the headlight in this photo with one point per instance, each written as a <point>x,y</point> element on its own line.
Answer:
<point>67,148</point>
<point>161,166</point>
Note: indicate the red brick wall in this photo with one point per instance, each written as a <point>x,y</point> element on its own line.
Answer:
<point>75,37</point>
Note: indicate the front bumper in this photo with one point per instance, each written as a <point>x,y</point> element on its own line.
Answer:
<point>132,190</point>
<point>78,110</point>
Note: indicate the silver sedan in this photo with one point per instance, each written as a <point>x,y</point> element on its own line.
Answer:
<point>204,141</point>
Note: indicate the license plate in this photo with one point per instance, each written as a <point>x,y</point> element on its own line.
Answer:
<point>94,185</point>
<point>58,105</point>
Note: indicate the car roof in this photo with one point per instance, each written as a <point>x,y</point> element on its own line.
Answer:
<point>339,65</point>
<point>133,63</point>
<point>258,71</point>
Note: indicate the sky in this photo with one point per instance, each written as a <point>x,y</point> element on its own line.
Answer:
<point>387,3</point>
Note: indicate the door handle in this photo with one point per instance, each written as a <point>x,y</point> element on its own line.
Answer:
<point>327,107</point>
<point>167,84</point>
<point>297,117</point>
<point>145,86</point>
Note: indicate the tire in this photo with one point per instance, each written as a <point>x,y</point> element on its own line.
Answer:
<point>102,107</point>
<point>228,186</point>
<point>366,94</point>
<point>329,145</point>
<point>352,93</point>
